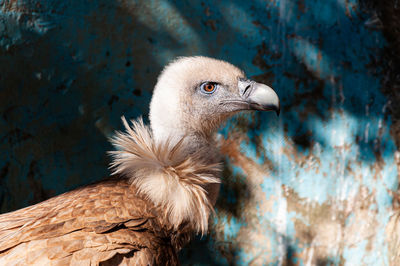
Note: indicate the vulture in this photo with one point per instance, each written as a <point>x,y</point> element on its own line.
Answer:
<point>164,184</point>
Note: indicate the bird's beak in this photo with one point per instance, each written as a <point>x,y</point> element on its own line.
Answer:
<point>258,96</point>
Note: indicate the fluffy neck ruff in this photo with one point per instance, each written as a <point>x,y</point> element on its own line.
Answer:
<point>163,171</point>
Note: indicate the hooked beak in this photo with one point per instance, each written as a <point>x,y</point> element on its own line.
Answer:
<point>256,96</point>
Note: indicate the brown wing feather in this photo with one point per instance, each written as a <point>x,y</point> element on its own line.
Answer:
<point>89,225</point>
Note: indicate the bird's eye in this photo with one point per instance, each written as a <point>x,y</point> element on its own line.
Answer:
<point>208,87</point>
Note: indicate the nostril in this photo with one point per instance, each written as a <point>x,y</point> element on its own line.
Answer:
<point>245,90</point>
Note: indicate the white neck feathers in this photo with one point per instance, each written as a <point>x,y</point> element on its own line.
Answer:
<point>166,173</point>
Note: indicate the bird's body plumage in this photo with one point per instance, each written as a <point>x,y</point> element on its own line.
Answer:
<point>165,183</point>
<point>85,227</point>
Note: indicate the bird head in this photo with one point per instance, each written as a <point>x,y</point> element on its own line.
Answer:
<point>194,95</point>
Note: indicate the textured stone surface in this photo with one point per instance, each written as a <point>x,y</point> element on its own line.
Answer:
<point>315,186</point>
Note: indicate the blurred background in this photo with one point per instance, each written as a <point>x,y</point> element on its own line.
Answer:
<point>316,186</point>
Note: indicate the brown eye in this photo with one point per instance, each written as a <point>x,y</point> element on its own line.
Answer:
<point>208,87</point>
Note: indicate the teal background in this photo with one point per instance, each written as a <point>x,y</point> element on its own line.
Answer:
<point>316,186</point>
